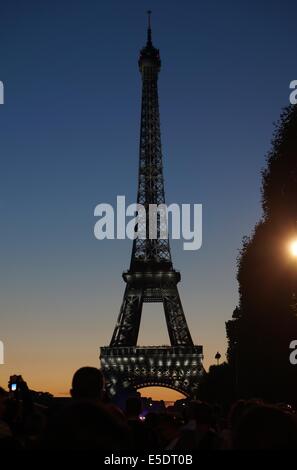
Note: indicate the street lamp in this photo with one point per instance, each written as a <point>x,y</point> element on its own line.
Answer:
<point>218,357</point>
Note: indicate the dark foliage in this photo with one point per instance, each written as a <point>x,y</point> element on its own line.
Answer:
<point>265,322</point>
<point>218,385</point>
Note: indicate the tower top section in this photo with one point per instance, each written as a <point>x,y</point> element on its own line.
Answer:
<point>149,55</point>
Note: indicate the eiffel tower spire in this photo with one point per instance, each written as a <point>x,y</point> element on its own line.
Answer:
<point>150,176</point>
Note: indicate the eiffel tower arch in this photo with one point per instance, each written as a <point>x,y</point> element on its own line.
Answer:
<point>151,276</point>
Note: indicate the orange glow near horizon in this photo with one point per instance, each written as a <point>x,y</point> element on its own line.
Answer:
<point>160,393</point>
<point>48,361</point>
<point>58,381</point>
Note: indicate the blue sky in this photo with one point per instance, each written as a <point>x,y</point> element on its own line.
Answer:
<point>69,133</point>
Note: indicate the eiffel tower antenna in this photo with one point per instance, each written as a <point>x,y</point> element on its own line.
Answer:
<point>149,29</point>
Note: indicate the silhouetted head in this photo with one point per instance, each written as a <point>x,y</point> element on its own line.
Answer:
<point>266,427</point>
<point>87,384</point>
<point>3,399</point>
<point>167,428</point>
<point>201,412</point>
<point>133,407</point>
<point>3,393</point>
<point>236,411</point>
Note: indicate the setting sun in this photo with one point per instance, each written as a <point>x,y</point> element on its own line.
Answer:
<point>293,248</point>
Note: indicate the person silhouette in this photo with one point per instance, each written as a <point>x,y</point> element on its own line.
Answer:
<point>88,384</point>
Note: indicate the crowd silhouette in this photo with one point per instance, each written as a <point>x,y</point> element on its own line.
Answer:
<point>90,421</point>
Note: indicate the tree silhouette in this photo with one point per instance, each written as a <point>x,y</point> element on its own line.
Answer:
<point>217,385</point>
<point>265,322</point>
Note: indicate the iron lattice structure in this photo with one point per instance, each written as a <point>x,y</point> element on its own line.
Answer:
<point>151,277</point>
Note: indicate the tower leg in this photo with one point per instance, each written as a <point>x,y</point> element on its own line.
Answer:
<point>127,327</point>
<point>178,330</point>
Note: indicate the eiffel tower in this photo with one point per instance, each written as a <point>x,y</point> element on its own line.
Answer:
<point>151,277</point>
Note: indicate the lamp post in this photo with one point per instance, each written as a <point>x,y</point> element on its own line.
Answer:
<point>218,357</point>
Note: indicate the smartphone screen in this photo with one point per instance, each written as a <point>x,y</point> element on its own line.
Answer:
<point>13,387</point>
